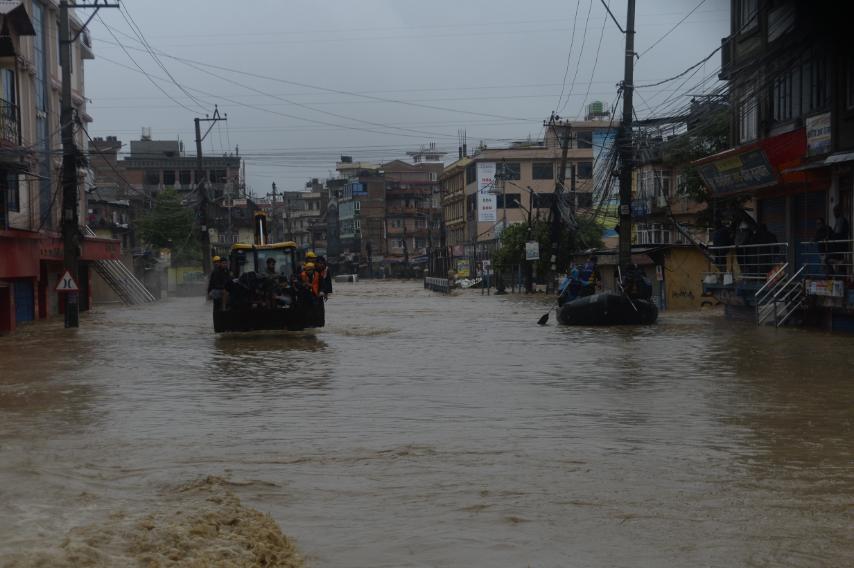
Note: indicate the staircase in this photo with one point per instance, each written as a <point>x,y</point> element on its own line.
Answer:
<point>121,280</point>
<point>780,297</point>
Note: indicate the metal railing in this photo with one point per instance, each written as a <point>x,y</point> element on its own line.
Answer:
<point>828,259</point>
<point>780,297</point>
<point>746,263</point>
<point>10,130</point>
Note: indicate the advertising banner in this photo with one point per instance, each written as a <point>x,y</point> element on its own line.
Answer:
<point>463,268</point>
<point>486,202</point>
<point>818,134</point>
<point>532,250</point>
<point>748,170</point>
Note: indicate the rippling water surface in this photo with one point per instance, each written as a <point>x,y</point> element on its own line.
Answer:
<point>424,430</point>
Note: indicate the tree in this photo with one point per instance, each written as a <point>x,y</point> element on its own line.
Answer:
<point>169,224</point>
<point>588,235</point>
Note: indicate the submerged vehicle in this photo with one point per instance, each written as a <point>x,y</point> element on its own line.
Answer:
<point>607,308</point>
<point>265,292</point>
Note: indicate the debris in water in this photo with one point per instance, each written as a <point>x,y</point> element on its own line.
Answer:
<point>202,524</point>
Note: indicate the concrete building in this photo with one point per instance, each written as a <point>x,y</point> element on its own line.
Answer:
<point>31,249</point>
<point>497,187</point>
<point>791,88</point>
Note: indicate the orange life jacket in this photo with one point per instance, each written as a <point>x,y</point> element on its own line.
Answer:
<point>312,281</point>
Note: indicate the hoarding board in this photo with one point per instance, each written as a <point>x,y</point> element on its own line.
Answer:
<point>818,134</point>
<point>532,250</point>
<point>486,202</point>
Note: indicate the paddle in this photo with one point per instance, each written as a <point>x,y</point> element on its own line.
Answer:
<point>545,317</point>
<point>623,290</point>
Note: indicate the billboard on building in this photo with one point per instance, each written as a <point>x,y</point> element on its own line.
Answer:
<point>486,206</point>
<point>603,143</point>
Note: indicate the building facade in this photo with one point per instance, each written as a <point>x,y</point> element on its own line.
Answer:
<point>31,249</point>
<point>791,80</point>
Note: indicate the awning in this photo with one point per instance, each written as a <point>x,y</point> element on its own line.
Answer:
<point>14,13</point>
<point>832,160</point>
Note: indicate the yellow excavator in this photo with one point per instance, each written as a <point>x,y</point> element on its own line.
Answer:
<point>265,292</point>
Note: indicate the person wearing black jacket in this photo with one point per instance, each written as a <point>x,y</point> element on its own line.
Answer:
<point>217,283</point>
<point>325,277</point>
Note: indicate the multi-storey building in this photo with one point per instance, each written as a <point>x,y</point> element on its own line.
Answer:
<point>31,250</point>
<point>154,165</point>
<point>791,85</point>
<point>498,187</point>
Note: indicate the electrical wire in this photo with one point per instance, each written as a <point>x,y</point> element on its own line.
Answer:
<point>668,32</point>
<point>580,53</point>
<point>569,54</point>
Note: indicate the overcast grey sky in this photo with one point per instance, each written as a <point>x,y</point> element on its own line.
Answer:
<point>306,81</point>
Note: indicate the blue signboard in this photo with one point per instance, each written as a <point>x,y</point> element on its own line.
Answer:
<point>749,170</point>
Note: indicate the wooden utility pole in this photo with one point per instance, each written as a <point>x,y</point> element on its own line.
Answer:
<point>201,185</point>
<point>70,224</point>
<point>624,143</point>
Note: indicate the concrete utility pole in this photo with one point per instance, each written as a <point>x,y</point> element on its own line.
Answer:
<point>624,142</point>
<point>563,132</point>
<point>70,193</point>
<point>274,229</point>
<point>202,187</point>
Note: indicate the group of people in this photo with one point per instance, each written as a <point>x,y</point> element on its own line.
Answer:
<point>833,253</point>
<point>311,284</point>
<point>579,282</point>
<point>745,232</point>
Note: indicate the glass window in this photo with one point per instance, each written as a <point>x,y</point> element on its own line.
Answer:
<point>584,170</point>
<point>185,177</point>
<point>151,178</point>
<point>283,258</point>
<point>13,195</point>
<point>748,116</point>
<point>512,201</point>
<point>169,178</point>
<point>509,170</point>
<point>747,15</point>
<point>542,170</point>
<point>471,173</point>
<point>584,140</point>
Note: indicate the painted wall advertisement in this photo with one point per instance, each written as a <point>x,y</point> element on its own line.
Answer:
<point>818,134</point>
<point>463,268</point>
<point>486,202</point>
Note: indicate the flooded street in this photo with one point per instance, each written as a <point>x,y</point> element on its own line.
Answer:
<point>424,430</point>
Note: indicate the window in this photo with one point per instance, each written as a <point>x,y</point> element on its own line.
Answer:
<point>396,223</point>
<point>543,200</point>
<point>168,178</point>
<point>509,170</point>
<point>471,173</point>
<point>151,178</point>
<point>748,15</point>
<point>584,140</point>
<point>512,201</point>
<point>420,243</point>
<point>815,85</point>
<point>543,170</point>
<point>13,194</point>
<point>185,177</point>
<point>748,116</point>
<point>218,176</point>
<point>357,206</point>
<point>584,170</point>
<point>420,223</point>
<point>357,224</point>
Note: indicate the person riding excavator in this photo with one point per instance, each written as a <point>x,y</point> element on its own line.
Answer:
<point>310,282</point>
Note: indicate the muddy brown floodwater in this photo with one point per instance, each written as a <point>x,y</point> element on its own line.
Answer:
<point>423,430</point>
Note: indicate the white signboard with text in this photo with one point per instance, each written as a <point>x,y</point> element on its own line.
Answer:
<point>486,202</point>
<point>532,250</point>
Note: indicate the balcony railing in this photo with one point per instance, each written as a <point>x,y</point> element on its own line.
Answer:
<point>10,131</point>
<point>830,259</point>
<point>746,264</point>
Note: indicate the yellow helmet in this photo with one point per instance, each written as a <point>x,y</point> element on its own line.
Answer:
<point>309,265</point>
<point>216,259</point>
<point>310,254</point>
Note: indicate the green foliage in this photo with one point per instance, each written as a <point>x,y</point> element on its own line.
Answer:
<point>512,250</point>
<point>707,137</point>
<point>169,224</point>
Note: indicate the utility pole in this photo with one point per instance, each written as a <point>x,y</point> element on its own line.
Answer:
<point>563,132</point>
<point>70,223</point>
<point>201,185</point>
<point>624,141</point>
<point>274,229</point>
